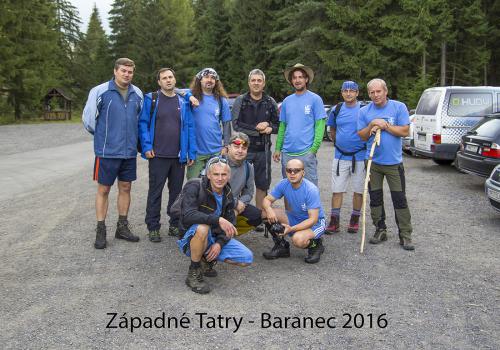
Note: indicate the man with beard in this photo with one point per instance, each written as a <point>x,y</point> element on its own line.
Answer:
<point>212,111</point>
<point>302,123</point>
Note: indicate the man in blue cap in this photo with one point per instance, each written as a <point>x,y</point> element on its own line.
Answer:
<point>348,161</point>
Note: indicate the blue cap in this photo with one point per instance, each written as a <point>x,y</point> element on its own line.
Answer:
<point>350,85</point>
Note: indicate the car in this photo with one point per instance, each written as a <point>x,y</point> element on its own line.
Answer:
<point>479,151</point>
<point>444,114</point>
<point>408,140</point>
<point>492,188</point>
<point>329,110</point>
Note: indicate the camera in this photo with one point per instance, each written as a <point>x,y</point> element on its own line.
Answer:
<point>277,229</point>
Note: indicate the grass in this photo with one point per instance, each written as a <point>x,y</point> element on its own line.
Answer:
<point>10,120</point>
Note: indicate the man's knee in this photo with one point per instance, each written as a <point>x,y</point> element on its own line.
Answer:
<point>300,241</point>
<point>103,190</point>
<point>124,186</point>
<point>399,200</point>
<point>202,231</point>
<point>376,198</point>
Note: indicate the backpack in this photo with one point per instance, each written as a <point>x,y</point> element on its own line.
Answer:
<point>336,112</point>
<point>176,208</point>
<point>154,97</point>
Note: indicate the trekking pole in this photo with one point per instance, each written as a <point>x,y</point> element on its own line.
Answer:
<point>267,145</point>
<point>376,142</point>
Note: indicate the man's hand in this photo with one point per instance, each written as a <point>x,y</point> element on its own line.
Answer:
<point>261,126</point>
<point>227,227</point>
<point>267,130</point>
<point>190,162</point>
<point>277,156</point>
<point>213,252</point>
<point>271,215</point>
<point>240,206</point>
<point>381,123</point>
<point>373,130</point>
<point>194,101</point>
<point>150,154</point>
<point>288,229</point>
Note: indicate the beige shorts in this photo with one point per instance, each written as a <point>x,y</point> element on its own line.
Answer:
<point>339,183</point>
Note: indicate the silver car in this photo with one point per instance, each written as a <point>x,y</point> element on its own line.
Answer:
<point>492,188</point>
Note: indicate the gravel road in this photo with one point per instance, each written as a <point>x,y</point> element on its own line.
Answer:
<point>58,292</point>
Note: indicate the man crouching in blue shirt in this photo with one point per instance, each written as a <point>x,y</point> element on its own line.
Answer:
<point>304,221</point>
<point>207,224</point>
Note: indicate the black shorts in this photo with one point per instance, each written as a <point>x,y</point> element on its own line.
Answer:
<point>262,172</point>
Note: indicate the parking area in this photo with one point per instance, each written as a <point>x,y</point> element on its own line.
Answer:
<point>59,292</point>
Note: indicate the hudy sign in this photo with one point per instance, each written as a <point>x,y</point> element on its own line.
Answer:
<point>470,101</point>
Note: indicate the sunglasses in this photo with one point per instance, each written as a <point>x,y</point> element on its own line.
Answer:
<point>216,160</point>
<point>238,142</point>
<point>293,170</point>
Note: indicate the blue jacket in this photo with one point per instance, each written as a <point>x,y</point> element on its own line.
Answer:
<point>113,121</point>
<point>147,128</point>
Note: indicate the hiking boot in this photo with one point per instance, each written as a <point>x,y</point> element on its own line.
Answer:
<point>154,236</point>
<point>406,243</point>
<point>260,228</point>
<point>314,253</point>
<point>173,231</point>
<point>195,281</point>
<point>353,224</point>
<point>281,249</point>
<point>207,267</point>
<point>100,238</point>
<point>334,225</point>
<point>379,236</point>
<point>123,232</point>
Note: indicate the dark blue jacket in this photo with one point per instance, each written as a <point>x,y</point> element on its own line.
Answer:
<point>112,120</point>
<point>147,128</point>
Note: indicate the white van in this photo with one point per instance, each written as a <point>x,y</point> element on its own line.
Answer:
<point>443,116</point>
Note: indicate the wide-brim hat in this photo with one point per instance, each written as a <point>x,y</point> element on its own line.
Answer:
<point>308,70</point>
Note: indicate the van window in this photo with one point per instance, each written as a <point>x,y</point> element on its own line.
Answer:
<point>470,104</point>
<point>498,103</point>
<point>428,103</point>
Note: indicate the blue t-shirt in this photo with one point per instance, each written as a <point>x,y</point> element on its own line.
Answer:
<point>300,113</point>
<point>207,123</point>
<point>218,200</point>
<point>346,136</point>
<point>390,150</point>
<point>300,200</point>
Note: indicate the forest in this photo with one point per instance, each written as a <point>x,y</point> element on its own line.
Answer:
<point>412,44</point>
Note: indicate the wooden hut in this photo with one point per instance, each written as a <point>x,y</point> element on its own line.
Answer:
<point>57,105</point>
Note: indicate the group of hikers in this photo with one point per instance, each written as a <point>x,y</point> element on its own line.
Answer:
<point>225,154</point>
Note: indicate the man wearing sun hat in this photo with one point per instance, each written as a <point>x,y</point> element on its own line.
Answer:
<point>302,123</point>
<point>348,161</point>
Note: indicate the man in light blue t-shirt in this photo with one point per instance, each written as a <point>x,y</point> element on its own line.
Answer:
<point>304,221</point>
<point>348,161</point>
<point>213,110</point>
<point>392,118</point>
<point>302,123</point>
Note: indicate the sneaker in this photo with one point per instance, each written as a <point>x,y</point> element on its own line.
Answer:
<point>379,236</point>
<point>207,267</point>
<point>123,232</point>
<point>406,243</point>
<point>260,228</point>
<point>314,253</point>
<point>173,231</point>
<point>195,281</point>
<point>353,224</point>
<point>100,238</point>
<point>334,226</point>
<point>281,249</point>
<point>154,236</point>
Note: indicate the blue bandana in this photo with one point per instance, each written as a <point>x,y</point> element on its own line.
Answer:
<point>350,85</point>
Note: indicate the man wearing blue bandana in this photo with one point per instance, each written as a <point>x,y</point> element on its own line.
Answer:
<point>212,112</point>
<point>348,162</point>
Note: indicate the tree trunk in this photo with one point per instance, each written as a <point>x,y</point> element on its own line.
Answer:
<point>424,67</point>
<point>443,63</point>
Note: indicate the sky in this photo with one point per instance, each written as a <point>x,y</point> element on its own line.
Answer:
<point>85,10</point>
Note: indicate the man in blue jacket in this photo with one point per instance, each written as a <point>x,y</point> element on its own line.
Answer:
<point>111,115</point>
<point>167,137</point>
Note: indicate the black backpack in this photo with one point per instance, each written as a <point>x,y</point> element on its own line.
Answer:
<point>176,208</point>
<point>336,112</point>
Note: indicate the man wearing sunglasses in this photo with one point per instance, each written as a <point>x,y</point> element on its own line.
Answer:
<point>242,179</point>
<point>207,225</point>
<point>304,221</point>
